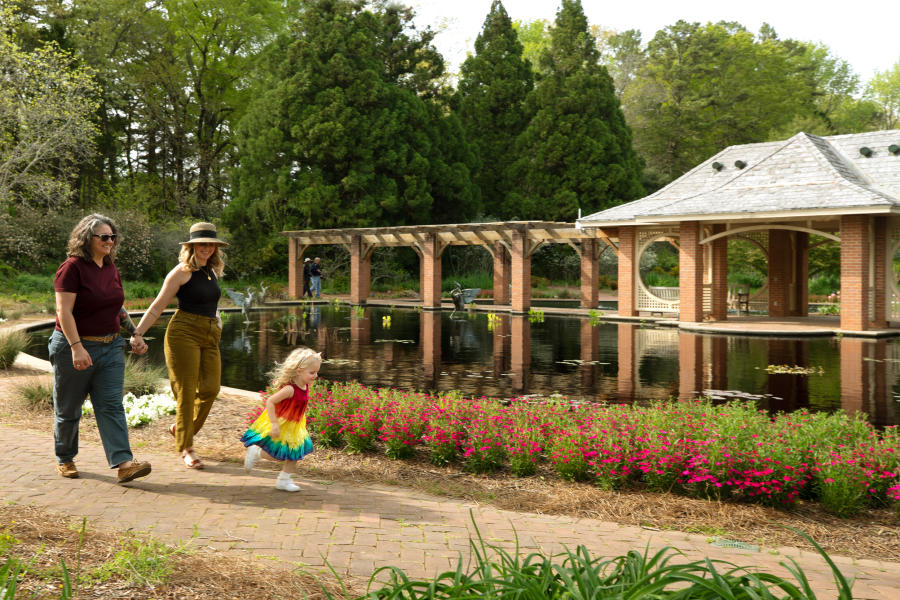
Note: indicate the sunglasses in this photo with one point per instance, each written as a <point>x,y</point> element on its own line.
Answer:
<point>105,237</point>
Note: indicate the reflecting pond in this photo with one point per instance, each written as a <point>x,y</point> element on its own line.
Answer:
<point>503,355</point>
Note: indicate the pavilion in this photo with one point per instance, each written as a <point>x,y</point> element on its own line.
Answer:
<point>841,189</point>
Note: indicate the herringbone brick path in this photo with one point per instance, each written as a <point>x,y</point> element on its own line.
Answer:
<point>356,528</point>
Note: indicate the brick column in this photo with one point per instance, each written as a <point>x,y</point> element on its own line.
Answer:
<point>431,272</point>
<point>690,364</point>
<point>520,267</point>
<point>626,377</point>
<point>855,272</point>
<point>802,270</point>
<point>590,273</point>
<point>627,261</point>
<point>855,379</point>
<point>880,271</point>
<point>360,271</point>
<point>690,273</point>
<point>719,276</point>
<point>780,262</point>
<point>295,274</point>
<point>501,274</point>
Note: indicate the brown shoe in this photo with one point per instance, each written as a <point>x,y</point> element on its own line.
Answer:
<point>67,470</point>
<point>137,469</point>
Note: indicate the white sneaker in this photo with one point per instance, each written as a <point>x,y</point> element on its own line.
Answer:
<point>285,484</point>
<point>252,457</point>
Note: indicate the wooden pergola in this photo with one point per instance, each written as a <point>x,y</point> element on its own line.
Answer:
<point>511,244</point>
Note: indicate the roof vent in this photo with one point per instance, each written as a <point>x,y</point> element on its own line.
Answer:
<point>866,151</point>
<point>740,164</point>
<point>894,149</point>
<point>717,166</point>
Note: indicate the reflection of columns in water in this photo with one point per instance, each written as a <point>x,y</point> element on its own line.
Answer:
<point>864,385</point>
<point>627,375</point>
<point>519,352</point>
<point>430,340</point>
<point>501,344</point>
<point>590,352</point>
<point>719,363</point>
<point>359,334</point>
<point>792,389</point>
<point>690,365</point>
<point>262,354</point>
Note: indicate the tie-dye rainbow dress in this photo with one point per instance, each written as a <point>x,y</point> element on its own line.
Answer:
<point>294,442</point>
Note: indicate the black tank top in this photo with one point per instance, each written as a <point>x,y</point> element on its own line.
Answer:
<point>200,295</point>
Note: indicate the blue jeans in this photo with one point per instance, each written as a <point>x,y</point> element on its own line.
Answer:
<point>315,284</point>
<point>104,381</point>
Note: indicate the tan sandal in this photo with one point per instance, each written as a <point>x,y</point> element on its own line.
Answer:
<point>172,429</point>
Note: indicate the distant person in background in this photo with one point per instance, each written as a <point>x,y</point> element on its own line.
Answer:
<point>193,334</point>
<point>315,276</point>
<point>86,350</point>
<point>306,290</point>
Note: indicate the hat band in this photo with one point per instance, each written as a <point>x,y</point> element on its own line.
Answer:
<point>203,233</point>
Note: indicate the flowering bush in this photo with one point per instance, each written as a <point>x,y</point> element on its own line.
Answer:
<point>140,410</point>
<point>727,451</point>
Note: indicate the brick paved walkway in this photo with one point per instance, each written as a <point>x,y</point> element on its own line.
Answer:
<point>357,528</point>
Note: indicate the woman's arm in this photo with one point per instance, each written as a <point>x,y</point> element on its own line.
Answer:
<point>282,394</point>
<point>176,278</point>
<point>65,302</point>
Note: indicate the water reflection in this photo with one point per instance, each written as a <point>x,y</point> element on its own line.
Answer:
<point>505,355</point>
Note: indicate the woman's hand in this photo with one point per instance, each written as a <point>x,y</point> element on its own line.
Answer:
<point>275,431</point>
<point>81,359</point>
<point>138,345</point>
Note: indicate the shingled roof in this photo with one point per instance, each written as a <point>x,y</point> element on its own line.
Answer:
<point>804,176</point>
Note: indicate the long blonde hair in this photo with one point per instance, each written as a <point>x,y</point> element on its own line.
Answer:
<point>188,259</point>
<point>300,358</point>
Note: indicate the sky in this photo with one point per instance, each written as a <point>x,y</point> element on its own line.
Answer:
<point>864,34</point>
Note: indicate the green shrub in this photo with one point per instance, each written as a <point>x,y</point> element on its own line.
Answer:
<point>11,344</point>
<point>822,285</point>
<point>37,394</point>
<point>141,289</point>
<point>141,377</point>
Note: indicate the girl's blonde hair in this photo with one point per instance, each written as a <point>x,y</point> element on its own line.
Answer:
<point>188,260</point>
<point>300,358</point>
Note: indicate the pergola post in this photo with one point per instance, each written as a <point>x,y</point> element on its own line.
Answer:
<point>627,268</point>
<point>501,273</point>
<point>590,273</point>
<point>801,268</point>
<point>431,272</point>
<point>781,260</point>
<point>719,275</point>
<point>690,272</point>
<point>855,241</point>
<point>520,263</point>
<point>295,275</point>
<point>360,270</point>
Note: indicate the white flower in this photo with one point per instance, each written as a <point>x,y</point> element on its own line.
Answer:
<point>140,410</point>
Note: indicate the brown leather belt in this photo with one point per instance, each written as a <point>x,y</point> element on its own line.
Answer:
<point>103,339</point>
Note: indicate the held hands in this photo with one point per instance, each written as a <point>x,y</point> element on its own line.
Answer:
<point>138,345</point>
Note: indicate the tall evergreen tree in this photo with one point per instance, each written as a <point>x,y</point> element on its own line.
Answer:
<point>493,85</point>
<point>334,140</point>
<point>576,151</point>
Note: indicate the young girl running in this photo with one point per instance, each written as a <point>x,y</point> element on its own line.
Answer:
<point>285,439</point>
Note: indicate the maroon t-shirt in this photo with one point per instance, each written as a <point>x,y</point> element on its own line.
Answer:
<point>99,295</point>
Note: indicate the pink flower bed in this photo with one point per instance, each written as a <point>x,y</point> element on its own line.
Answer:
<point>729,451</point>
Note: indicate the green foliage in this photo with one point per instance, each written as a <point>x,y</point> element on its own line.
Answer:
<point>12,342</point>
<point>493,85</point>
<point>36,394</point>
<point>576,151</point>
<point>141,377</point>
<point>535,39</point>
<point>143,562</point>
<point>884,90</point>
<point>825,284</point>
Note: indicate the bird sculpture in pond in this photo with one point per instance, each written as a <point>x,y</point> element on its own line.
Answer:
<point>245,302</point>
<point>462,296</point>
<point>261,294</point>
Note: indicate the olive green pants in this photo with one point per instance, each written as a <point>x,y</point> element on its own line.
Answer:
<point>195,371</point>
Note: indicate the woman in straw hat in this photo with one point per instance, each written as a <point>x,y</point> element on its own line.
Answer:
<point>192,336</point>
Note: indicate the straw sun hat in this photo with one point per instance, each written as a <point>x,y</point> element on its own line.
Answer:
<point>204,233</point>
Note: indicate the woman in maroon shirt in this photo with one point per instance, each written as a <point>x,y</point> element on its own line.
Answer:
<point>86,351</point>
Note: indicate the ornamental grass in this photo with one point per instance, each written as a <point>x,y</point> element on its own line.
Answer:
<point>731,451</point>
